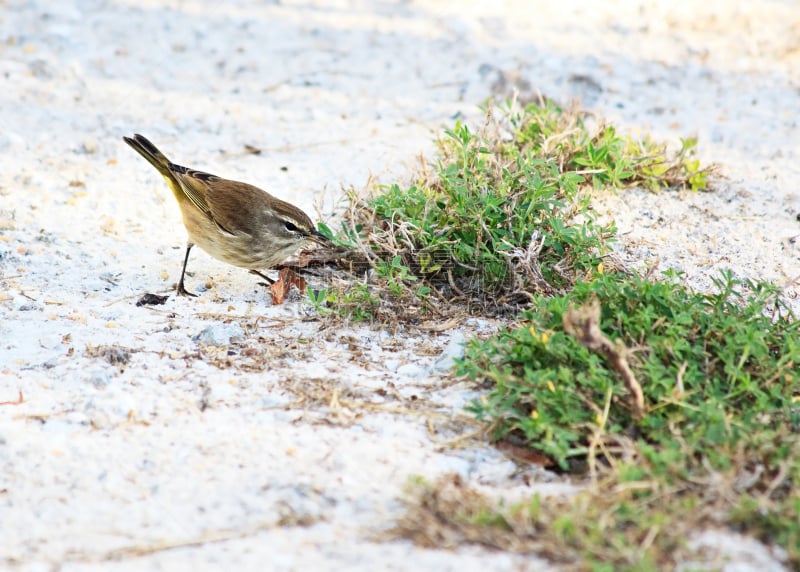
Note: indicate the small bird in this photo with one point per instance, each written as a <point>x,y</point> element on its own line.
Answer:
<point>234,222</point>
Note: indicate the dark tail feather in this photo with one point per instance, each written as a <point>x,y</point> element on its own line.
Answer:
<point>150,152</point>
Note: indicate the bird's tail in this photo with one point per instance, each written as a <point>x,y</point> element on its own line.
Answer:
<point>156,158</point>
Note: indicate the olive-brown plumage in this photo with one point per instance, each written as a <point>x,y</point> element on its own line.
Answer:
<point>234,222</point>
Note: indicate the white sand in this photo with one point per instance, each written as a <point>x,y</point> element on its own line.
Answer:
<point>170,449</point>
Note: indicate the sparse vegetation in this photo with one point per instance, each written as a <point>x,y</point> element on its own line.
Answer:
<point>504,215</point>
<point>678,409</point>
<point>719,436</point>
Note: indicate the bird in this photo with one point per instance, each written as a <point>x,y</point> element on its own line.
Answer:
<point>232,221</point>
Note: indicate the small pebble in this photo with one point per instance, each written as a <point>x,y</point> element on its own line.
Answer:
<point>453,351</point>
<point>410,370</point>
<point>220,334</point>
<point>98,377</point>
<point>50,341</point>
<point>89,145</point>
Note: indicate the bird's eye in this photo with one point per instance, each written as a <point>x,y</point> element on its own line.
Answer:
<point>289,226</point>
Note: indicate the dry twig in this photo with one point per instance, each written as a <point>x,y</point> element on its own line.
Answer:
<point>583,324</point>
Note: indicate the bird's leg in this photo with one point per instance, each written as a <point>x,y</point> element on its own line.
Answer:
<point>269,280</point>
<point>182,291</point>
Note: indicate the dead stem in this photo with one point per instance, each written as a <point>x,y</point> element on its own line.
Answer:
<point>583,324</point>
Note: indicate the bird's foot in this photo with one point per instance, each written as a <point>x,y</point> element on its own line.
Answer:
<point>269,280</point>
<point>182,291</point>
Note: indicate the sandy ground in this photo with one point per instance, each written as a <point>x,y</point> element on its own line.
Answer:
<point>140,444</point>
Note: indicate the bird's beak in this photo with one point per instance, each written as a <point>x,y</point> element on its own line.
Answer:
<point>319,238</point>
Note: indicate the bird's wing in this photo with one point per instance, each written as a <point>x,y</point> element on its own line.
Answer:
<point>235,206</point>
<point>196,185</point>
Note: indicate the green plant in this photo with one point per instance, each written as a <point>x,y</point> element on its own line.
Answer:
<point>611,160</point>
<point>719,375</point>
<point>345,238</point>
<point>709,365</point>
<point>503,221</point>
<point>355,301</point>
<point>484,226</point>
<point>319,300</point>
<point>499,220</point>
<point>396,274</point>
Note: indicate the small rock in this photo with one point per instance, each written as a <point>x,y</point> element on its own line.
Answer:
<point>273,401</point>
<point>50,341</point>
<point>41,69</point>
<point>453,351</point>
<point>410,370</point>
<point>494,470</point>
<point>485,69</point>
<point>98,377</point>
<point>89,145</point>
<point>220,334</point>
<point>110,277</point>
